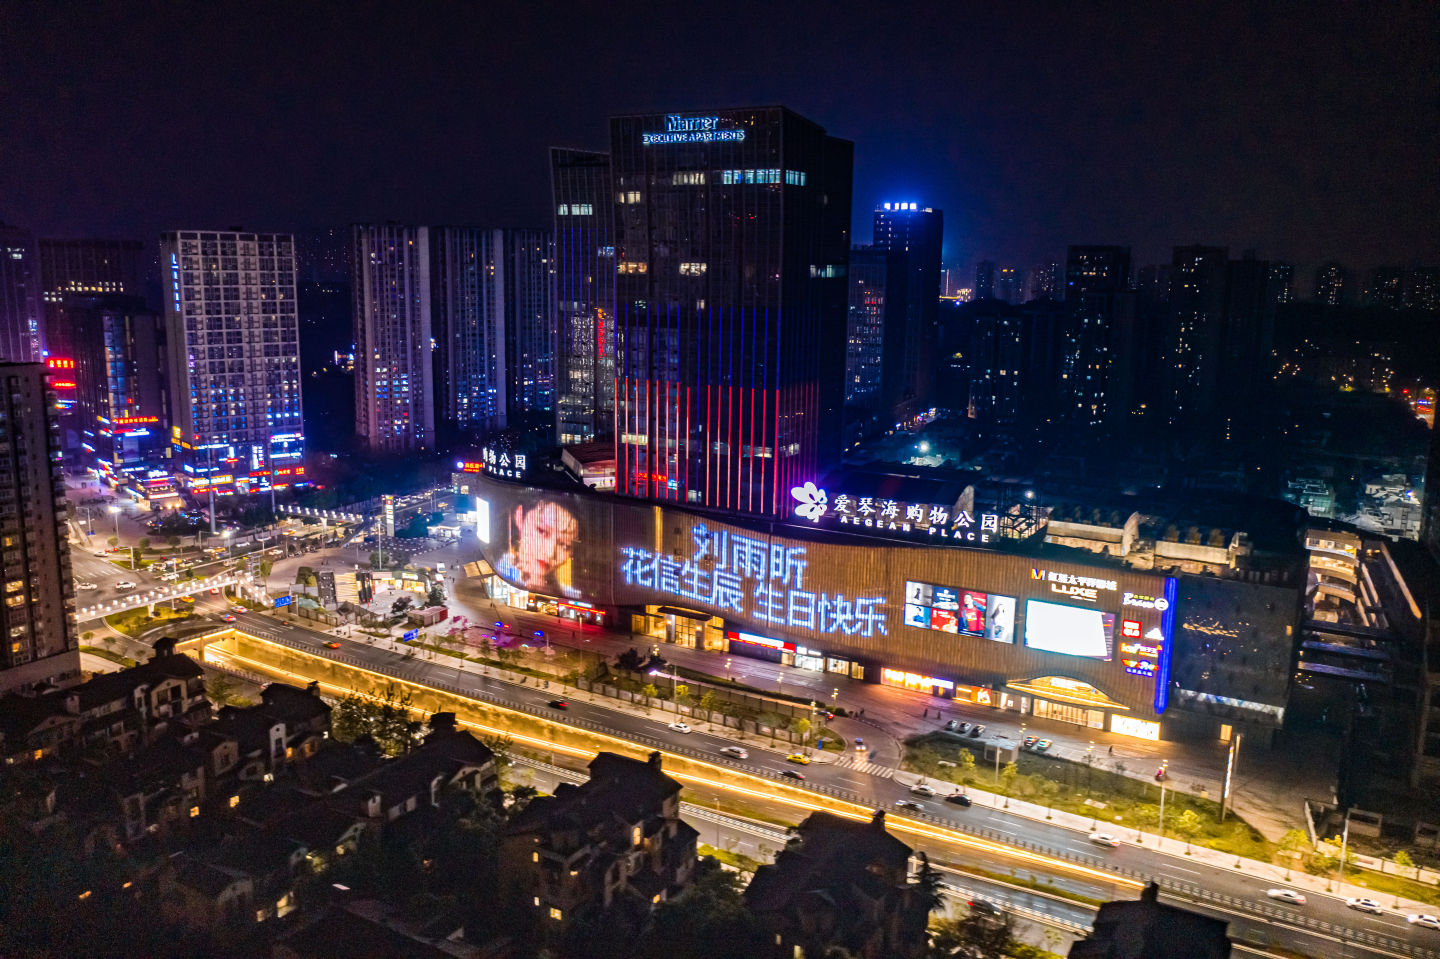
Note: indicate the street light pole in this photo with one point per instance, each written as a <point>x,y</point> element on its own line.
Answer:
<point>115,512</point>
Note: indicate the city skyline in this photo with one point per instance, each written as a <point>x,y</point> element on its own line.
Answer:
<point>1267,145</point>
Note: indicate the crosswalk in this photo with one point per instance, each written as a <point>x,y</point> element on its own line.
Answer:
<point>848,761</point>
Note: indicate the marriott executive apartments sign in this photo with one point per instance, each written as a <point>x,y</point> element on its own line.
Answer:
<point>679,129</point>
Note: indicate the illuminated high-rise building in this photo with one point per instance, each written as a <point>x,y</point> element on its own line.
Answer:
<point>875,358</point>
<point>232,342</point>
<point>1332,284</point>
<point>984,280</point>
<point>731,235</point>
<point>86,268</point>
<point>1093,388</point>
<point>38,617</point>
<point>584,295</point>
<point>1046,282</point>
<point>22,337</point>
<point>394,338</point>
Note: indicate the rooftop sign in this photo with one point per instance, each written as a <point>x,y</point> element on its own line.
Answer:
<point>683,129</point>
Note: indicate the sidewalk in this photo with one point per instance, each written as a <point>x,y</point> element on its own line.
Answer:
<point>1296,879</point>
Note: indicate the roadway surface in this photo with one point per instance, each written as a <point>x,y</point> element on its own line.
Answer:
<point>1246,894</point>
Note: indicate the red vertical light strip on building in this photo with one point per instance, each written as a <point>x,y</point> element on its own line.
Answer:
<point>686,449</point>
<point>733,434</point>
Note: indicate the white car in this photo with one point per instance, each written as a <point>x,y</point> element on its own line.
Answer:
<point>123,585</point>
<point>922,789</point>
<point>1366,905</point>
<point>1421,919</point>
<point>736,752</point>
<point>84,587</point>
<point>1286,895</point>
<point>1104,839</point>
<point>680,727</point>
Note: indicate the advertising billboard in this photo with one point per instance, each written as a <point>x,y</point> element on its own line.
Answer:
<point>1071,630</point>
<point>965,612</point>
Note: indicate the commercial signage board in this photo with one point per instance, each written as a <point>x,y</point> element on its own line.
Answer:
<point>893,517</point>
<point>682,129</point>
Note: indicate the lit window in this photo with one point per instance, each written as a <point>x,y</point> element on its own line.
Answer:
<point>534,857</point>
<point>556,914</point>
<point>693,269</point>
<point>234,801</point>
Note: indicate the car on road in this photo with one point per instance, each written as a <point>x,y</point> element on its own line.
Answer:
<point>959,799</point>
<point>228,617</point>
<point>909,804</point>
<point>1422,919</point>
<point>332,645</point>
<point>979,907</point>
<point>977,731</point>
<point>1286,895</point>
<point>558,704</point>
<point>859,743</point>
<point>793,774</point>
<point>85,586</point>
<point>735,752</point>
<point>214,591</point>
<point>1042,745</point>
<point>799,758</point>
<point>101,555</point>
<point>679,727</point>
<point>1029,742</point>
<point>922,789</point>
<point>1104,839</point>
<point>188,599</point>
<point>237,608</point>
<point>1365,905</point>
<point>124,584</point>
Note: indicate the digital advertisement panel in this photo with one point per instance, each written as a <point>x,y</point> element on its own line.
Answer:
<point>965,612</point>
<point>1069,629</point>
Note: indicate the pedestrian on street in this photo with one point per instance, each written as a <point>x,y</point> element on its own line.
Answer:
<point>1112,750</point>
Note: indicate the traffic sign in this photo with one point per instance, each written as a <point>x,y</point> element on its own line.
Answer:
<point>282,601</point>
<point>412,634</point>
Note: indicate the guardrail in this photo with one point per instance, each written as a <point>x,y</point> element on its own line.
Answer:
<point>1174,887</point>
<point>160,594</point>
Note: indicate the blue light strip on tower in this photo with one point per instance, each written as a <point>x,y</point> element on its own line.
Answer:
<point>1167,626</point>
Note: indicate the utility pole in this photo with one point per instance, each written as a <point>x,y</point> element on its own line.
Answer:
<point>1229,773</point>
<point>1162,810</point>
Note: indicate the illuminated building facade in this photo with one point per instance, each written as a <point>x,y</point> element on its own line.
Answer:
<point>83,268</point>
<point>394,338</point>
<point>1093,386</point>
<point>584,295</point>
<point>21,335</point>
<point>910,594</point>
<point>233,350</point>
<point>38,615</point>
<point>469,329</point>
<point>731,235</point>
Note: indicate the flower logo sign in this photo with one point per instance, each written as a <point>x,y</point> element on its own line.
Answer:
<point>810,501</point>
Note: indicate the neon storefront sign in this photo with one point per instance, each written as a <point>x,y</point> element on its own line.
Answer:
<point>893,516</point>
<point>915,680</point>
<point>751,577</point>
<point>683,129</point>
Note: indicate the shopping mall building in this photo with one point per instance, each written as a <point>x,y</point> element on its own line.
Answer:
<point>927,596</point>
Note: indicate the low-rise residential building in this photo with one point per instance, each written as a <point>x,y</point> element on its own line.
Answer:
<point>1145,928</point>
<point>617,836</point>
<point>843,885</point>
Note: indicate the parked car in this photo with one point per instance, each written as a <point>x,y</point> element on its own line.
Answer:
<point>1286,895</point>
<point>558,704</point>
<point>799,758</point>
<point>963,728</point>
<point>1029,742</point>
<point>1422,919</point>
<point>793,774</point>
<point>679,727</point>
<point>959,799</point>
<point>977,731</point>
<point>1042,745</point>
<point>1104,839</point>
<point>952,725</point>
<point>1366,905</point>
<point>922,789</point>
<point>735,752</point>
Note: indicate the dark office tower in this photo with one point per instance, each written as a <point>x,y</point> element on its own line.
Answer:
<point>1009,285</point>
<point>1047,282</point>
<point>1386,287</point>
<point>21,333</point>
<point>1282,282</point>
<point>1332,284</point>
<point>468,320</point>
<point>38,616</point>
<point>584,297</point>
<point>323,256</point>
<point>917,232</point>
<point>85,268</point>
<point>731,244</point>
<point>1150,396</point>
<point>525,291</point>
<point>233,344</point>
<point>875,360</point>
<point>1422,289</point>
<point>1094,390</point>
<point>394,375</point>
<point>984,280</point>
<point>1247,339</point>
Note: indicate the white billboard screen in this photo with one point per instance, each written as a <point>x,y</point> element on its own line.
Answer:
<point>1069,630</point>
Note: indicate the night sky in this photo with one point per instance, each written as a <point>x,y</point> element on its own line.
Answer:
<point>1305,131</point>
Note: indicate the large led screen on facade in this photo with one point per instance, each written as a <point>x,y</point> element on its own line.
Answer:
<point>1069,629</point>
<point>966,612</point>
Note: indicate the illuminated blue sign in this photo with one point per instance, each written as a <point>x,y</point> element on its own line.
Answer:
<point>716,572</point>
<point>1167,627</point>
<point>679,129</point>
